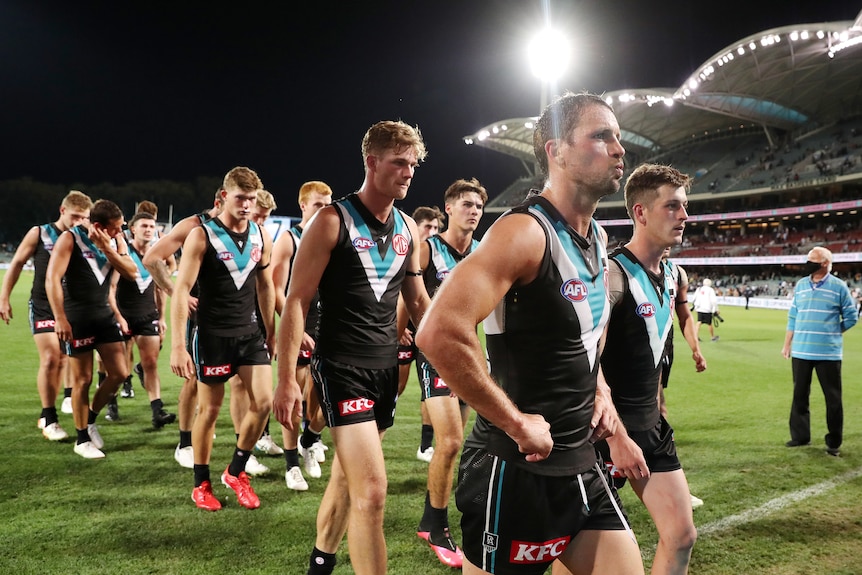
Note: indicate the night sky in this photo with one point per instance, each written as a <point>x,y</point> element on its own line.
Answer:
<point>121,91</point>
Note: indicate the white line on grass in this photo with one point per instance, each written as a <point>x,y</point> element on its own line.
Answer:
<point>778,503</point>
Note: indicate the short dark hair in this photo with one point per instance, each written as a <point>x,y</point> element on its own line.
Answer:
<point>425,213</point>
<point>104,211</point>
<point>459,187</point>
<point>644,182</point>
<point>558,120</point>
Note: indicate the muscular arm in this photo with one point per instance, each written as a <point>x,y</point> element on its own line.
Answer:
<point>282,251</point>
<point>25,251</point>
<point>686,322</point>
<point>156,257</point>
<point>193,252</point>
<point>57,266</point>
<point>312,257</point>
<point>265,290</point>
<point>413,291</point>
<point>509,254</point>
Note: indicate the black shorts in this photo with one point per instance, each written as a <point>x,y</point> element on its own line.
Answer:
<point>41,317</point>
<point>87,334</point>
<point>350,394</point>
<point>430,381</point>
<point>518,522</point>
<point>218,358</point>
<point>704,317</point>
<point>406,354</point>
<point>657,445</point>
<point>191,327</point>
<point>147,325</point>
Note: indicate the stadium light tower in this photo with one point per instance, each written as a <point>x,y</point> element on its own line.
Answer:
<point>549,54</point>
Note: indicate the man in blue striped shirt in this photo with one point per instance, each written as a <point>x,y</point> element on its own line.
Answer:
<point>822,310</point>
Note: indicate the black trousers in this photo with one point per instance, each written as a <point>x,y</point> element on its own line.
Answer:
<point>829,376</point>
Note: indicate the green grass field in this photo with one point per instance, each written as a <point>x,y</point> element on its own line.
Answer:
<point>131,513</point>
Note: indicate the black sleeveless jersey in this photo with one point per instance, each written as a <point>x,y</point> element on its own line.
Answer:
<point>227,305</point>
<point>87,280</point>
<point>313,316</point>
<point>137,298</point>
<point>543,341</point>
<point>48,234</point>
<point>360,286</point>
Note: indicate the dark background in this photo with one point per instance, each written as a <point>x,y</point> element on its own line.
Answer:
<point>120,92</point>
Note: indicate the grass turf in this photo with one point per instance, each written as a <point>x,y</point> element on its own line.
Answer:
<point>131,513</point>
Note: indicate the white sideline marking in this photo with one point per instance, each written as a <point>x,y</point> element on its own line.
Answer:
<point>778,503</point>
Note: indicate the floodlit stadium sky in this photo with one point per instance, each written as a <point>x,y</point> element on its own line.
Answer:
<point>123,91</point>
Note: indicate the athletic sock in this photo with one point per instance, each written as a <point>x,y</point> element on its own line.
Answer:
<point>237,464</point>
<point>67,392</point>
<point>50,415</point>
<point>305,420</point>
<point>433,519</point>
<point>427,437</point>
<point>308,438</point>
<point>185,438</point>
<point>202,473</point>
<point>291,457</point>
<point>91,417</point>
<point>265,428</point>
<point>156,405</point>
<point>321,563</point>
<point>101,377</point>
<point>83,436</point>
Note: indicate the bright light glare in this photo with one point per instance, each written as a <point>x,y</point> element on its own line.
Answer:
<point>549,54</point>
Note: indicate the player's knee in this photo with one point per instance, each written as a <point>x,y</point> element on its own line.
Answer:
<point>371,496</point>
<point>447,444</point>
<point>684,538</point>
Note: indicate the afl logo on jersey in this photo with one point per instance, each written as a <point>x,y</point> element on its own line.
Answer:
<point>574,290</point>
<point>225,256</point>
<point>441,275</point>
<point>362,244</point>
<point>255,254</point>
<point>400,244</point>
<point>646,309</point>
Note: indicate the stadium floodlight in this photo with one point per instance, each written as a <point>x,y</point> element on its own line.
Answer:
<point>549,53</point>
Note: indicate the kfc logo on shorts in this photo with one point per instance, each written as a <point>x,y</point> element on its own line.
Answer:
<point>358,405</point>
<point>255,254</point>
<point>646,309</point>
<point>76,343</point>
<point>305,354</point>
<point>441,275</point>
<point>216,370</point>
<point>403,355</point>
<point>362,244</point>
<point>400,244</point>
<point>43,323</point>
<point>574,290</point>
<point>225,256</point>
<point>439,383</point>
<point>527,552</point>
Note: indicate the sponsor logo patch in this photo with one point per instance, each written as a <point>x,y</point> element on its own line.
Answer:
<point>529,552</point>
<point>402,355</point>
<point>362,244</point>
<point>216,370</point>
<point>489,541</point>
<point>358,405</point>
<point>43,323</point>
<point>255,254</point>
<point>225,256</point>
<point>442,275</point>
<point>574,290</point>
<point>305,354</point>
<point>646,309</point>
<point>400,244</point>
<point>439,383</point>
<point>83,342</point>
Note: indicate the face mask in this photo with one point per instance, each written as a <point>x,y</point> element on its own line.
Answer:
<point>811,267</point>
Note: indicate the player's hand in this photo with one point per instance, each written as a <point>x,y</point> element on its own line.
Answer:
<point>99,237</point>
<point>406,338</point>
<point>605,419</point>
<point>63,329</point>
<point>5,312</point>
<point>193,304</point>
<point>287,403</point>
<point>307,343</point>
<point>628,457</point>
<point>533,437</point>
<point>699,361</point>
<point>181,363</point>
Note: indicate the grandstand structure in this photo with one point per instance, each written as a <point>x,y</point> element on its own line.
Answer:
<point>770,129</point>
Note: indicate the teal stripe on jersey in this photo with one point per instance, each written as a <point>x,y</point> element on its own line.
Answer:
<point>597,298</point>
<point>143,279</point>
<point>382,264</point>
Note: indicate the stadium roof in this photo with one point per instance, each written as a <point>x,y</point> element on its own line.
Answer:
<point>791,79</point>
